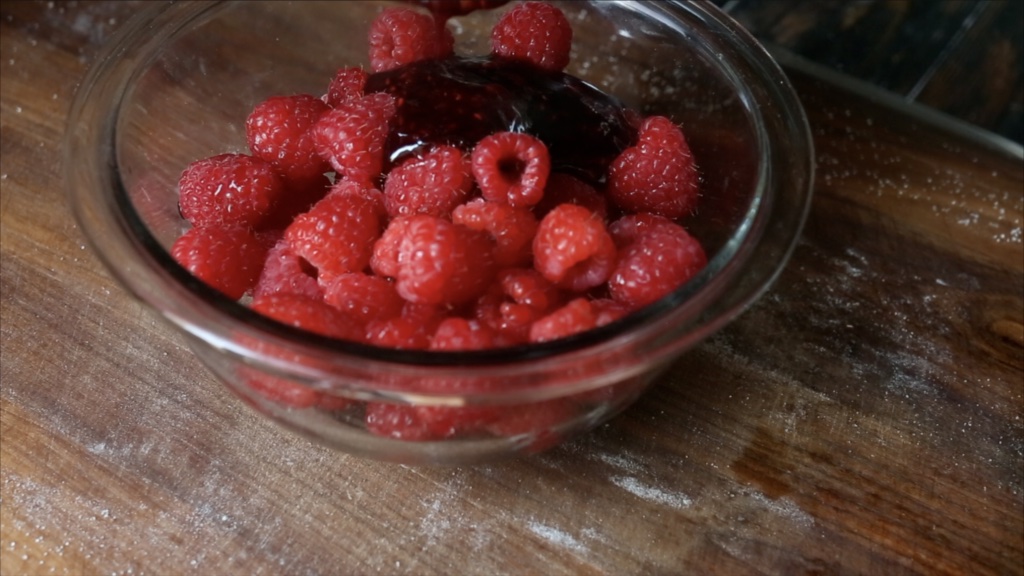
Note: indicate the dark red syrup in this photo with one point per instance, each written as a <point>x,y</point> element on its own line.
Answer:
<point>458,101</point>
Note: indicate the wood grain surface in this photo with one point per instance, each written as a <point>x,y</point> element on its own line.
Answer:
<point>864,417</point>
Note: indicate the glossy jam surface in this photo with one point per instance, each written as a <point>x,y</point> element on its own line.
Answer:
<point>459,101</point>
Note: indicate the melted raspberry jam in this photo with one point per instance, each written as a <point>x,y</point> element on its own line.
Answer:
<point>458,101</point>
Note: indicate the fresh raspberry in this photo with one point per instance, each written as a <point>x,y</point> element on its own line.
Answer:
<point>444,9</point>
<point>566,189</point>
<point>401,332</point>
<point>539,420</point>
<point>278,131</point>
<point>363,297</point>
<point>348,84</point>
<point>433,184</point>
<point>399,36</point>
<point>658,175</point>
<point>337,235</point>
<point>534,31</point>
<point>461,334</point>
<point>228,259</point>
<point>396,421</point>
<point>384,260</point>
<point>454,421</point>
<point>576,316</point>
<point>573,249</point>
<point>285,272</point>
<point>308,314</point>
<point>607,311</point>
<point>658,259</point>
<point>290,393</point>
<point>444,263</point>
<point>229,190</point>
<point>351,137</point>
<point>632,226</point>
<point>297,198</point>
<point>512,168</point>
<point>512,228</point>
<point>436,262</point>
<point>520,297</point>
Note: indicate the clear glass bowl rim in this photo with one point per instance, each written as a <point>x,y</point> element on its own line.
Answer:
<point>703,305</point>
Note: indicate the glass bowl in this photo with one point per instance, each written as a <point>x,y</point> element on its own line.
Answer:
<point>177,84</point>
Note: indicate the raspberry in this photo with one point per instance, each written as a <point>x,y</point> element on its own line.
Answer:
<point>461,334</point>
<point>520,297</point>
<point>278,131</point>
<point>512,228</point>
<point>396,421</point>
<point>536,32</point>
<point>285,272</point>
<point>298,197</point>
<point>399,36</point>
<point>437,262</point>
<point>576,316</point>
<point>632,226</point>
<point>657,175</point>
<point>512,168</point>
<point>451,421</point>
<point>384,260</point>
<point>363,297</point>
<point>539,420</point>
<point>351,136</point>
<point>607,311</point>
<point>400,332</point>
<point>228,259</point>
<point>445,9</point>
<point>573,249</point>
<point>338,233</point>
<point>347,85</point>
<point>281,390</point>
<point>659,258</point>
<point>433,184</point>
<point>308,314</point>
<point>566,189</point>
<point>229,190</point>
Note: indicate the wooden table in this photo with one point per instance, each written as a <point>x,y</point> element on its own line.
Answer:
<point>865,417</point>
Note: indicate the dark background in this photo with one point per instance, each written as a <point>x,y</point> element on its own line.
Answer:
<point>962,57</point>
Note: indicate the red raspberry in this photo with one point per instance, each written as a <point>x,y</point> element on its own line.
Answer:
<point>512,228</point>
<point>566,189</point>
<point>444,9</point>
<point>396,421</point>
<point>337,235</point>
<point>512,168</point>
<point>657,175</point>
<point>399,36</point>
<point>278,131</point>
<point>308,314</point>
<point>632,226</point>
<point>576,316</point>
<point>285,272</point>
<point>404,333</point>
<point>452,421</point>
<point>298,197</point>
<point>229,190</point>
<point>461,334</point>
<point>540,420</point>
<point>347,85</point>
<point>351,137</point>
<point>363,297</point>
<point>228,259</point>
<point>520,297</point>
<point>289,392</point>
<point>659,258</point>
<point>439,262</point>
<point>607,311</point>
<point>573,249</point>
<point>534,31</point>
<point>433,184</point>
<point>384,261</point>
